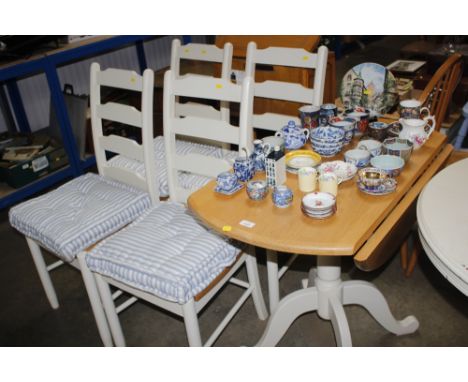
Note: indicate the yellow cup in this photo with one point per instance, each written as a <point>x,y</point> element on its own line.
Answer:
<point>328,182</point>
<point>307,178</point>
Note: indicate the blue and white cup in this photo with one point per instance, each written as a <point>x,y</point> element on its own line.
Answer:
<point>348,125</point>
<point>226,181</point>
<point>360,158</point>
<point>371,145</point>
<point>282,196</point>
<point>244,168</point>
<point>327,112</point>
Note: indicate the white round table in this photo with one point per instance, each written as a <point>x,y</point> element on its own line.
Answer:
<point>442,213</point>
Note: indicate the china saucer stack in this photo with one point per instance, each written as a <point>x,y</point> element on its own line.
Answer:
<point>318,205</point>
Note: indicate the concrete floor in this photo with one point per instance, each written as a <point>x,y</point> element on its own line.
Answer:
<point>26,318</point>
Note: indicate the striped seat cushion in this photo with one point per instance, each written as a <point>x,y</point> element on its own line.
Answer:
<point>79,213</point>
<point>186,180</point>
<point>165,252</point>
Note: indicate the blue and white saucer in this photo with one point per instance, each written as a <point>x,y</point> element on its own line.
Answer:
<point>231,191</point>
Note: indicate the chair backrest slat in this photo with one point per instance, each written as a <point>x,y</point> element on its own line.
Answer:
<point>285,91</point>
<point>114,112</point>
<point>120,113</point>
<point>199,127</point>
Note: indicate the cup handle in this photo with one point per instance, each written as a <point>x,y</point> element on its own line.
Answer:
<point>279,134</point>
<point>425,110</point>
<point>362,146</point>
<point>431,129</point>
<point>266,148</point>
<point>306,132</point>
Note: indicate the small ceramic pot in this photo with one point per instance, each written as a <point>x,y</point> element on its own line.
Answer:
<point>391,164</point>
<point>257,189</point>
<point>282,196</point>
<point>226,181</point>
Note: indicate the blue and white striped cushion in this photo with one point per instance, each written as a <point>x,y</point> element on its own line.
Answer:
<point>188,181</point>
<point>164,252</point>
<point>79,213</point>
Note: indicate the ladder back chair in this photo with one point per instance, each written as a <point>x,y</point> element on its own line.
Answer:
<point>190,52</point>
<point>90,207</point>
<point>438,93</point>
<point>282,90</point>
<point>436,96</point>
<point>166,257</point>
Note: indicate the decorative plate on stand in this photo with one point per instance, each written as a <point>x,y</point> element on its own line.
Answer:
<point>369,85</point>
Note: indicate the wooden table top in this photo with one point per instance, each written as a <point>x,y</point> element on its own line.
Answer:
<point>288,230</point>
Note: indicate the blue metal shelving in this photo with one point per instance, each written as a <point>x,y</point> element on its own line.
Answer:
<point>48,64</point>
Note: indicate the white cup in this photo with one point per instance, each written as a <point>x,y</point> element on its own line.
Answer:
<point>307,178</point>
<point>328,182</point>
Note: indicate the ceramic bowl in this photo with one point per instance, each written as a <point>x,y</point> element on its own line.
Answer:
<point>371,145</point>
<point>257,189</point>
<point>327,134</point>
<point>399,147</point>
<point>328,150</point>
<point>391,164</point>
<point>226,181</point>
<point>348,125</point>
<point>360,158</point>
<point>343,170</point>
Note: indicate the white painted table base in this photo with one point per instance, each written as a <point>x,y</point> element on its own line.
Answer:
<point>327,297</point>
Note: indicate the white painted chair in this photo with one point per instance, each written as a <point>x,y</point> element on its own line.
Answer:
<point>85,210</point>
<point>285,91</point>
<point>204,53</point>
<point>209,147</point>
<point>166,257</point>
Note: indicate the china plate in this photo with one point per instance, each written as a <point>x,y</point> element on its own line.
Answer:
<point>302,158</point>
<point>343,170</point>
<point>230,192</point>
<point>385,190</point>
<point>369,85</point>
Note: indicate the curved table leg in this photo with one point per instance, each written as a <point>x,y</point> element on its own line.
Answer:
<point>367,295</point>
<point>339,322</point>
<point>289,308</point>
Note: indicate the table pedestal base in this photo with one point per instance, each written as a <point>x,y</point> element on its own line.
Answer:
<point>327,297</point>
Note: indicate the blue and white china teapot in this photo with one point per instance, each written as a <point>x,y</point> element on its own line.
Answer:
<point>294,136</point>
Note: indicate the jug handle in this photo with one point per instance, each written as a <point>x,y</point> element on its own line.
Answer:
<point>266,148</point>
<point>432,118</point>
<point>246,152</point>
<point>425,109</point>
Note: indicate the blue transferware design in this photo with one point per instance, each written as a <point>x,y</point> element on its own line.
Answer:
<point>294,136</point>
<point>226,181</point>
<point>259,153</point>
<point>327,133</point>
<point>257,189</point>
<point>347,125</point>
<point>244,167</point>
<point>282,196</point>
<point>327,112</point>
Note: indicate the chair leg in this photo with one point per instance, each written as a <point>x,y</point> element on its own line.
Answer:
<point>44,276</point>
<point>254,281</point>
<point>404,254</point>
<point>109,308</point>
<point>95,300</point>
<point>191,323</point>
